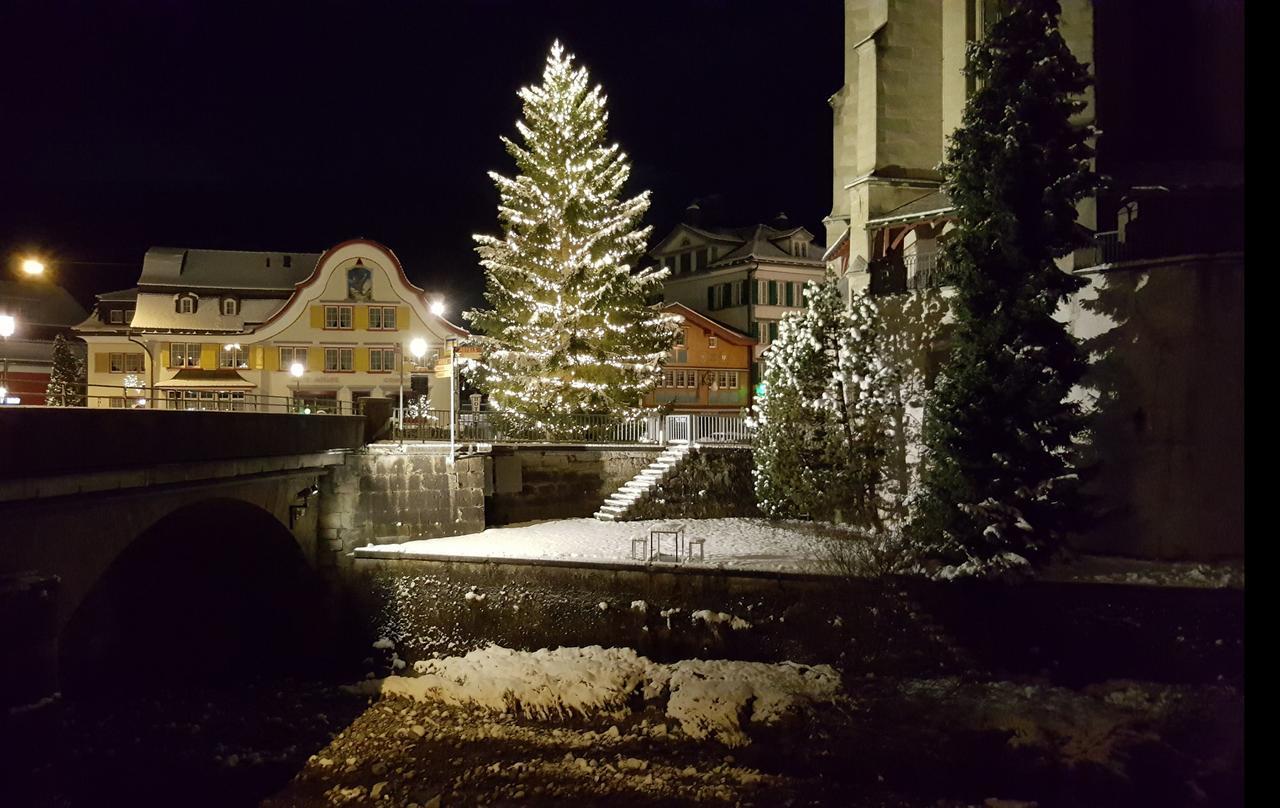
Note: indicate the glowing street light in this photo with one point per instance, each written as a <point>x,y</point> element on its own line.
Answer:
<point>418,348</point>
<point>437,308</point>
<point>296,370</point>
<point>32,267</point>
<point>8,324</point>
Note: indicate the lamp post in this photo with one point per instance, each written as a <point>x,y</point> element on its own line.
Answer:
<point>296,370</point>
<point>8,324</point>
<point>418,349</point>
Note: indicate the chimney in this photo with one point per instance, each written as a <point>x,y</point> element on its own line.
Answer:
<point>781,222</point>
<point>693,214</point>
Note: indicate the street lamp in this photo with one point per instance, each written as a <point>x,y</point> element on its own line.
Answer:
<point>8,324</point>
<point>296,370</point>
<point>417,347</point>
<point>32,267</point>
<point>437,308</point>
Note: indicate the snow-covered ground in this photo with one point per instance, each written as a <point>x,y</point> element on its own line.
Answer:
<point>740,543</point>
<point>707,697</point>
<point>734,543</point>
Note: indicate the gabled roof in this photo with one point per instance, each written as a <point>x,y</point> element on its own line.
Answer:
<point>39,303</point>
<point>120,295</point>
<point>727,333</point>
<point>171,267</point>
<point>761,246</point>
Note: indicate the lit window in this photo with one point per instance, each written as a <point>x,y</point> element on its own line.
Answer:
<point>713,342</point>
<point>382,318</point>
<point>338,359</point>
<point>290,354</point>
<point>668,378</point>
<point>382,360</point>
<point>117,363</point>
<point>337,317</point>
<point>233,357</point>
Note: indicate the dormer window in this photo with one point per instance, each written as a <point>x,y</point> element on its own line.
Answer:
<point>288,261</point>
<point>116,316</point>
<point>799,248</point>
<point>230,306</point>
<point>186,304</point>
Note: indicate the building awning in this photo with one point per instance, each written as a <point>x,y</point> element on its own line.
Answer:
<point>935,205</point>
<point>195,379</point>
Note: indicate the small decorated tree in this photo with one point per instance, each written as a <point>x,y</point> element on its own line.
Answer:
<point>825,422</point>
<point>567,330</point>
<point>1000,427</point>
<point>66,387</point>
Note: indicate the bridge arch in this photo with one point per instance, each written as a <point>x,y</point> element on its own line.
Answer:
<point>215,587</point>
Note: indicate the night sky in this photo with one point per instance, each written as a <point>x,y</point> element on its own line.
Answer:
<point>293,126</point>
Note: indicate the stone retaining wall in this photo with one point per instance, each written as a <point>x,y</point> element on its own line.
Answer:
<point>557,482</point>
<point>388,494</point>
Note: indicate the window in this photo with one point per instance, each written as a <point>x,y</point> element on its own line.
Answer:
<point>727,380</point>
<point>743,295</point>
<point>799,248</point>
<point>773,331</point>
<point>773,293</point>
<point>288,261</point>
<point>700,258</point>
<point>382,318</point>
<point>680,338</point>
<point>338,317</point>
<point>230,306</point>
<point>668,378</point>
<point>128,315</point>
<point>184,354</point>
<point>791,295</point>
<point>686,262</point>
<point>726,295</point>
<point>232,356</point>
<point>691,378</point>
<point>133,363</point>
<point>713,342</point>
<point>755,291</point>
<point>290,354</point>
<point>187,305</point>
<point>382,360</point>
<point>338,360</point>
<point>117,315</point>
<point>117,363</point>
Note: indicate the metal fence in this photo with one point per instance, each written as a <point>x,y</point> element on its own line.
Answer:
<point>483,427</point>
<point>136,397</point>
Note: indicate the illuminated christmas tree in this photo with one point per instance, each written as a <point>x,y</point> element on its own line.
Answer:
<point>568,329</point>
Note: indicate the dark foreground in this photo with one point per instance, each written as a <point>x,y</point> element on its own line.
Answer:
<point>910,742</point>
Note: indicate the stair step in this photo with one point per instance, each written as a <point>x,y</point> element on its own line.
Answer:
<point>606,517</point>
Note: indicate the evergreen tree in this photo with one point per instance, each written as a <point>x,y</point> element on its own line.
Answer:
<point>1000,425</point>
<point>66,387</point>
<point>824,424</point>
<point>567,329</point>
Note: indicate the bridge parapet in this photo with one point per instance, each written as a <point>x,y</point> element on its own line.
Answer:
<point>46,441</point>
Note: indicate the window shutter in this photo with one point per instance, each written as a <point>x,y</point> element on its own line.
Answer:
<point>362,318</point>
<point>711,298</point>
<point>317,316</point>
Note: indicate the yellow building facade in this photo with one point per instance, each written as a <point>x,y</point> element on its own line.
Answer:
<point>223,330</point>
<point>708,371</point>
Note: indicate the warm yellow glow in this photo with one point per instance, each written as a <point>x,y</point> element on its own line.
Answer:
<point>437,308</point>
<point>418,347</point>
<point>4,393</point>
<point>7,325</point>
<point>32,267</point>
<point>297,370</point>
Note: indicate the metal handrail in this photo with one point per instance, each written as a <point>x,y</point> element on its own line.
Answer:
<point>128,396</point>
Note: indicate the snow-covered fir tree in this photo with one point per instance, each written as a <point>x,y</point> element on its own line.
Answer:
<point>567,329</point>
<point>825,423</point>
<point>1000,425</point>
<point>66,387</point>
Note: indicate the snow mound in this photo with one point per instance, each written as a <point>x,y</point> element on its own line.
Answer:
<point>707,697</point>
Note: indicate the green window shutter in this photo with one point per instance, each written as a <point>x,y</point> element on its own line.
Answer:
<point>755,291</point>
<point>773,331</point>
<point>711,298</point>
<point>791,295</point>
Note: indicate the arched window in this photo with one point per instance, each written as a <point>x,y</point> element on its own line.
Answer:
<point>186,304</point>
<point>230,305</point>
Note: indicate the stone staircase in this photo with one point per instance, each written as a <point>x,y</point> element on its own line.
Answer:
<point>620,501</point>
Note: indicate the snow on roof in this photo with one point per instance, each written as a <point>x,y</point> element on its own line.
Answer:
<point>727,332</point>
<point>225,269</point>
<point>194,378</point>
<point>120,295</point>
<point>39,303</point>
<point>156,312</point>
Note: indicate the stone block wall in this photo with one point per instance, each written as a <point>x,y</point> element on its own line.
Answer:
<point>557,482</point>
<point>387,494</point>
<point>709,483</point>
